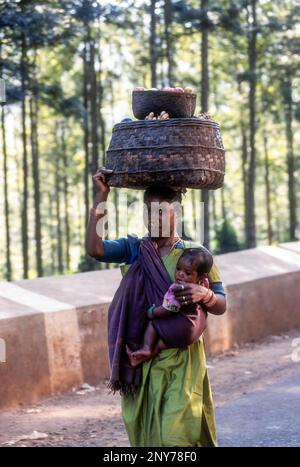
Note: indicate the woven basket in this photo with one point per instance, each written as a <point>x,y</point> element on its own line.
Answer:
<point>177,152</point>
<point>177,104</point>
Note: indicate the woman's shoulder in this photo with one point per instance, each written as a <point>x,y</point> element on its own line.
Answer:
<point>194,244</point>
<point>133,242</point>
<point>191,243</point>
<point>121,250</point>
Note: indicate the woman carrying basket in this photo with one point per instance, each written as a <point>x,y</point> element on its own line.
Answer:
<point>166,401</point>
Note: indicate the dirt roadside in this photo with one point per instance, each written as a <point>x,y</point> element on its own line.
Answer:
<point>91,416</point>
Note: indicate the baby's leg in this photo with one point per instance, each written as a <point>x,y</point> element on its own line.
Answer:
<point>150,342</point>
<point>159,346</point>
<point>144,354</point>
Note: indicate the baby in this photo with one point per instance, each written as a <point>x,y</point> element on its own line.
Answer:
<point>171,324</point>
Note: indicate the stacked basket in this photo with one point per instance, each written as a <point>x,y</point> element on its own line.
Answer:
<point>182,151</point>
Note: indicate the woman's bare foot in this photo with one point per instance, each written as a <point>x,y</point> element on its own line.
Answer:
<point>138,356</point>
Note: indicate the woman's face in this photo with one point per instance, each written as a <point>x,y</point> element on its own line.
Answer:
<point>160,216</point>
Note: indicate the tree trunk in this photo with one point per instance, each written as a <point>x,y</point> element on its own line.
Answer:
<point>252,58</point>
<point>66,193</point>
<point>24,215</point>
<point>244,172</point>
<point>214,210</point>
<point>58,210</point>
<point>94,102</point>
<point>153,45</point>
<point>51,211</point>
<point>33,106</point>
<point>278,217</point>
<point>86,131</point>
<point>291,168</point>
<point>114,190</point>
<point>223,206</point>
<point>79,227</point>
<point>100,106</point>
<point>194,195</point>
<point>168,13</point>
<point>268,191</point>
<point>8,272</point>
<point>204,108</point>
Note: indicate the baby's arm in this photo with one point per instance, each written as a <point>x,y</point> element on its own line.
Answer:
<point>169,306</point>
<point>159,312</point>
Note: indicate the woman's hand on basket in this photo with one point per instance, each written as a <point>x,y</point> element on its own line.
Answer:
<point>99,180</point>
<point>187,293</point>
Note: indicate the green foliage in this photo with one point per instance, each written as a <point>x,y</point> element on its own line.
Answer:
<point>226,238</point>
<point>87,263</point>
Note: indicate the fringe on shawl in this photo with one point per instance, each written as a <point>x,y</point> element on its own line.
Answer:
<point>123,388</point>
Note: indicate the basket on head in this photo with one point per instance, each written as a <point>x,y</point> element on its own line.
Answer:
<point>186,153</point>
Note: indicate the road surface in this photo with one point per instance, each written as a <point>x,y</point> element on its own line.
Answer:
<point>256,392</point>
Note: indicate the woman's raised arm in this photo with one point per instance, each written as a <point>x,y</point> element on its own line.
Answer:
<point>93,243</point>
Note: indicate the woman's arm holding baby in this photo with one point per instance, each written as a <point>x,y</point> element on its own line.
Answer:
<point>193,293</point>
<point>219,307</point>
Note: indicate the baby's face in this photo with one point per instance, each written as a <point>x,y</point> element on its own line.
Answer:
<point>185,272</point>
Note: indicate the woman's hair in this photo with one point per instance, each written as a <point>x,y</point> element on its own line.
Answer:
<point>200,258</point>
<point>164,193</point>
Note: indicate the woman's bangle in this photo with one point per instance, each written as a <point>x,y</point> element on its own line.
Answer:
<point>206,297</point>
<point>211,300</point>
<point>151,310</point>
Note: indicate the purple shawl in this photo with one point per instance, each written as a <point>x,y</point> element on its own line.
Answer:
<point>146,282</point>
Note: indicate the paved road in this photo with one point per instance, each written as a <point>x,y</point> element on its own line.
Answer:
<point>267,417</point>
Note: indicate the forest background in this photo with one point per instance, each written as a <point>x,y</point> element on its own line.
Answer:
<point>69,68</point>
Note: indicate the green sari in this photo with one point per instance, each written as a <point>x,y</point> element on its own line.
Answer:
<point>174,405</point>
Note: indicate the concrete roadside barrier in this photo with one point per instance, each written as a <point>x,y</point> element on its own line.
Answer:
<point>53,330</point>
